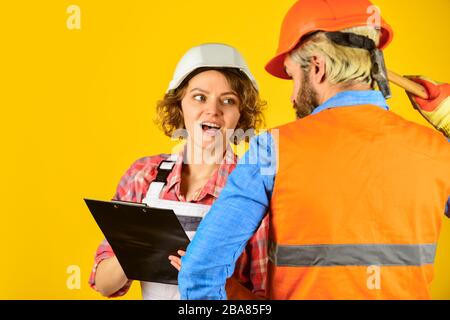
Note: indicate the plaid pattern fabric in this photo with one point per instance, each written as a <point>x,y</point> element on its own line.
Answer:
<point>251,267</point>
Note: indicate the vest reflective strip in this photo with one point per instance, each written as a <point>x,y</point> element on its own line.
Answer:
<point>351,255</point>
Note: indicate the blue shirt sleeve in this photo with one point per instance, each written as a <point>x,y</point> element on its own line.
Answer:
<point>232,220</point>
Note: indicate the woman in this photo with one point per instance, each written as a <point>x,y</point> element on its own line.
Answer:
<point>211,95</point>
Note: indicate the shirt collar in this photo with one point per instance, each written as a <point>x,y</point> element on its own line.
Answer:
<point>175,176</point>
<point>213,186</point>
<point>354,98</point>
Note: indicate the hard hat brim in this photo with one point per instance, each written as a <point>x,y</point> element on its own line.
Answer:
<point>177,82</point>
<point>276,65</point>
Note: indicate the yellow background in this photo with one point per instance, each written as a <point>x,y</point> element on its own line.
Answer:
<point>77,109</point>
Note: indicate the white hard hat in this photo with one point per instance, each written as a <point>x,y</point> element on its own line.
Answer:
<point>209,55</point>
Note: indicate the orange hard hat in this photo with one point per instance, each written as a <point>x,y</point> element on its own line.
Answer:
<point>307,16</point>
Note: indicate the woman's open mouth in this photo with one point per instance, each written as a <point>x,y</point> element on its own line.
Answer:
<point>210,128</point>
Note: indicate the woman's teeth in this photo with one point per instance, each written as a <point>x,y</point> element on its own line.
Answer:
<point>210,129</point>
<point>210,126</point>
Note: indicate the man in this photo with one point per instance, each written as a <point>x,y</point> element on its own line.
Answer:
<point>357,199</point>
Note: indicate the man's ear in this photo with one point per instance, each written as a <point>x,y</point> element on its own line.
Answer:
<point>317,71</point>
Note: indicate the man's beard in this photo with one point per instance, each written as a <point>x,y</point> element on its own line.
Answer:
<point>307,99</point>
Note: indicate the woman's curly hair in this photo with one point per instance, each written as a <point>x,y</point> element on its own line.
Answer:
<point>170,117</point>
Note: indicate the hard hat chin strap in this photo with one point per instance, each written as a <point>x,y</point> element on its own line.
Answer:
<point>378,71</point>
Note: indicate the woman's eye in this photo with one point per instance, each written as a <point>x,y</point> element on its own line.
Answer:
<point>229,101</point>
<point>199,97</point>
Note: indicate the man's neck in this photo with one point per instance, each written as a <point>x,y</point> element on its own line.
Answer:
<point>333,90</point>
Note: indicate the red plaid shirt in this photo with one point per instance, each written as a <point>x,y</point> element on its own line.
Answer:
<point>251,267</point>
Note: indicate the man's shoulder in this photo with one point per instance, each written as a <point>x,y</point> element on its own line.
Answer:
<point>408,127</point>
<point>416,137</point>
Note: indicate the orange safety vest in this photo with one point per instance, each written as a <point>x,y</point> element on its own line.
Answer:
<point>357,206</point>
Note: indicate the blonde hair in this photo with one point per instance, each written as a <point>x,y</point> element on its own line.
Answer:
<point>344,65</point>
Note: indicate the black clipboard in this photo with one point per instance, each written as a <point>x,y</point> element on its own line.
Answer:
<point>142,238</point>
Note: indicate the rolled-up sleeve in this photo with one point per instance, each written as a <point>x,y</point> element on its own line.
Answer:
<point>104,251</point>
<point>232,220</point>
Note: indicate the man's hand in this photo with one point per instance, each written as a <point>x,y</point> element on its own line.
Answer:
<point>435,109</point>
<point>176,261</point>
